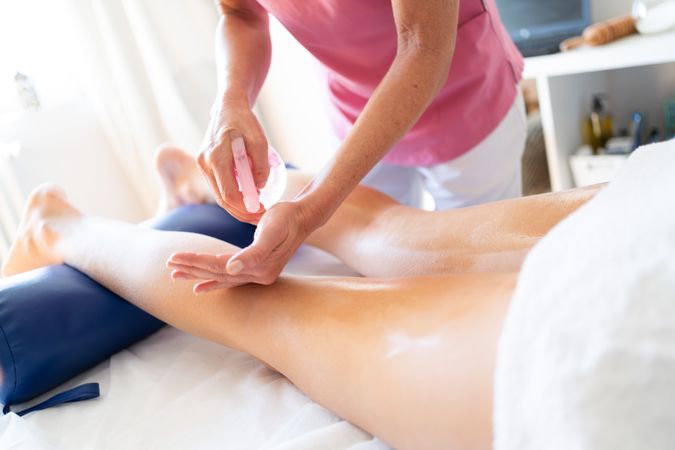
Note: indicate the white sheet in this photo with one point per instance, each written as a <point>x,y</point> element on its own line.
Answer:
<point>175,391</point>
<point>584,362</point>
<point>587,355</point>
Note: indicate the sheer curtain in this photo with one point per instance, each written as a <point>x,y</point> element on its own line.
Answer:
<point>10,200</point>
<point>148,68</point>
<point>151,63</point>
<point>147,71</point>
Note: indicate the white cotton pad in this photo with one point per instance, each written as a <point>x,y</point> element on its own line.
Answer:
<point>276,182</point>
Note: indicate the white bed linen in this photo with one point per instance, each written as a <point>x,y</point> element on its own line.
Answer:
<point>587,355</point>
<point>175,391</point>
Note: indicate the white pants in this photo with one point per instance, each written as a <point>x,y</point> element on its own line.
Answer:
<point>488,172</point>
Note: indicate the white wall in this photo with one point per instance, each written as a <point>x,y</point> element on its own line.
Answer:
<point>67,146</point>
<point>63,142</point>
<point>293,104</point>
<point>606,9</point>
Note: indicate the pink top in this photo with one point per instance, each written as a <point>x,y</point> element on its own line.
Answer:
<point>356,42</point>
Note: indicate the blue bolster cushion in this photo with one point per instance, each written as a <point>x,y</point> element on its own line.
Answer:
<point>56,322</point>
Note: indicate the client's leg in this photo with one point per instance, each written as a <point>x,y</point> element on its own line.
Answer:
<point>492,237</point>
<point>410,360</point>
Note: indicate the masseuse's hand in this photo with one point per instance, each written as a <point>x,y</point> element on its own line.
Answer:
<point>280,232</point>
<point>230,118</point>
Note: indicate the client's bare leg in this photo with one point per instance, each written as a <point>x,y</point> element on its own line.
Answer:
<point>410,360</point>
<point>485,238</point>
<point>493,237</point>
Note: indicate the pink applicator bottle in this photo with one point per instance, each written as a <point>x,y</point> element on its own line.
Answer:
<point>276,181</point>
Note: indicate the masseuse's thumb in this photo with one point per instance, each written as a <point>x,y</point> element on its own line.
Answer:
<point>265,241</point>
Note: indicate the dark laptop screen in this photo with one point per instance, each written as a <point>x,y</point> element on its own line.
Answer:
<point>518,14</point>
<point>538,26</point>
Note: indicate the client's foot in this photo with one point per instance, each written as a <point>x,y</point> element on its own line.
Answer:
<point>35,237</point>
<point>182,183</point>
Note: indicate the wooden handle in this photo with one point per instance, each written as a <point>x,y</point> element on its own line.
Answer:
<point>610,30</point>
<point>572,43</point>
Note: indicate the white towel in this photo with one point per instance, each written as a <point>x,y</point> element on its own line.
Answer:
<point>587,355</point>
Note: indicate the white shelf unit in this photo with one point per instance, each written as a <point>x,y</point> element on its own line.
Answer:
<point>636,73</point>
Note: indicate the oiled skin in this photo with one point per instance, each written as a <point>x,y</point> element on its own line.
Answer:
<point>407,352</point>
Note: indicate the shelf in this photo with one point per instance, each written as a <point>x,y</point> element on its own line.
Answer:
<point>635,72</point>
<point>632,51</point>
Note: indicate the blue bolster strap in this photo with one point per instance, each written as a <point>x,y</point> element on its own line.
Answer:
<point>85,391</point>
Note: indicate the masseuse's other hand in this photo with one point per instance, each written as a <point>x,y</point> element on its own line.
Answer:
<point>231,118</point>
<point>280,232</point>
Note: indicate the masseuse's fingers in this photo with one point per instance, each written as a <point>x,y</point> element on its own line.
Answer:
<point>196,274</point>
<point>202,160</point>
<point>217,166</point>
<point>252,258</point>
<point>203,286</point>
<point>222,165</point>
<point>215,160</point>
<point>220,175</point>
<point>210,285</point>
<point>279,234</point>
<point>200,266</point>
<point>257,150</point>
<point>208,176</point>
<point>179,275</point>
<point>205,261</point>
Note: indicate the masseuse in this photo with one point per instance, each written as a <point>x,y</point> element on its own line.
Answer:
<point>423,95</point>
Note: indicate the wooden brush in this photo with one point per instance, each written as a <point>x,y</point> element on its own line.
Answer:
<point>602,33</point>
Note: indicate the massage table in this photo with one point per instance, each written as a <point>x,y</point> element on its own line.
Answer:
<point>175,391</point>
<point>586,359</point>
